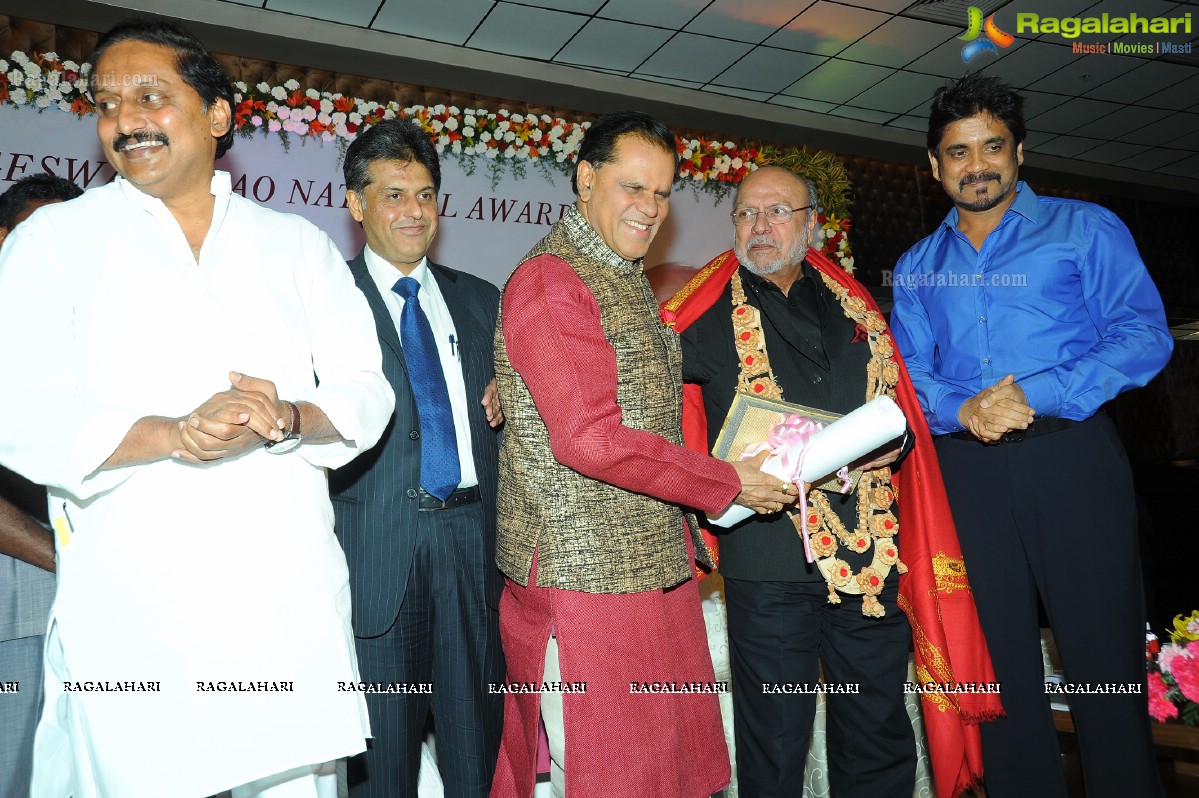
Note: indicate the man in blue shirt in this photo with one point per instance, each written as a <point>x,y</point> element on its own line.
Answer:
<point>1019,317</point>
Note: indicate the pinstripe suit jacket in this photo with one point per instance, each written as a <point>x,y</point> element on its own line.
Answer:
<point>374,496</point>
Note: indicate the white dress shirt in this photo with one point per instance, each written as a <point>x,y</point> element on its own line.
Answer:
<point>171,574</point>
<point>433,304</point>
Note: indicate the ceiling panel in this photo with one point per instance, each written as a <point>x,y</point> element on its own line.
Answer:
<point>945,60</point>
<point>689,84</point>
<point>1035,138</point>
<point>347,12</point>
<point>728,91</point>
<point>1067,146</point>
<point>827,28</point>
<point>746,22</point>
<point>768,69</point>
<point>671,14</point>
<point>451,21</point>
<point>1165,130</point>
<point>1185,168</point>
<point>898,42</point>
<point>846,59</point>
<point>1071,115</point>
<point>1082,73</point>
<point>1038,102</point>
<point>864,114</point>
<point>1154,158</point>
<point>579,6</point>
<point>1174,98</point>
<point>506,30</point>
<point>612,45</point>
<point>890,6</point>
<point>1028,64</point>
<point>900,93</point>
<point>803,104</point>
<point>693,58</point>
<point>1113,152</point>
<point>1145,80</point>
<point>837,81</point>
<point>911,122</point>
<point>1126,120</point>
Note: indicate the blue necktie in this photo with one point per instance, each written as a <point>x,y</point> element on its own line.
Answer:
<point>440,470</point>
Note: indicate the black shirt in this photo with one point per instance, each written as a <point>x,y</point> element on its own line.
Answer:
<point>817,363</point>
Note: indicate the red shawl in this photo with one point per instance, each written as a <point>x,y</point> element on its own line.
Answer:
<point>934,593</point>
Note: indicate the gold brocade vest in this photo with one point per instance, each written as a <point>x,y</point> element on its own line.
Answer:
<point>589,535</point>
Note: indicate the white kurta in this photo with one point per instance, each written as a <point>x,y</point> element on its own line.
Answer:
<point>185,576</point>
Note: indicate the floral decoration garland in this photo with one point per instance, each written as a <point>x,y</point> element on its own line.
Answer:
<point>505,141</point>
<point>1174,674</point>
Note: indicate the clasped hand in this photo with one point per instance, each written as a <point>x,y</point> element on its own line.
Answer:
<point>996,410</point>
<point>246,415</point>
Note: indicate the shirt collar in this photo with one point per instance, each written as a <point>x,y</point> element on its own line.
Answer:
<point>385,275</point>
<point>583,235</point>
<point>811,281</point>
<point>221,187</point>
<point>1025,204</point>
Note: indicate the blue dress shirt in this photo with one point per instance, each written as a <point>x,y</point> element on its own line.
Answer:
<point>1057,295</point>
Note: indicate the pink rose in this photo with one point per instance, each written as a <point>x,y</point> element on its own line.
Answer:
<point>1160,707</point>
<point>1169,653</point>
<point>1186,675</point>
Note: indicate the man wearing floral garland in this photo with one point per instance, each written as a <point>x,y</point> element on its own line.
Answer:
<point>152,328</point>
<point>776,319</point>
<point>598,555</point>
<point>1020,316</point>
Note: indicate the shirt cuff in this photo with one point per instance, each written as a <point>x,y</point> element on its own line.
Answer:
<point>1043,394</point>
<point>946,418</point>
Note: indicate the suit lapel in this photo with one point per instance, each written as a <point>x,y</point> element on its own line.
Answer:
<point>384,324</point>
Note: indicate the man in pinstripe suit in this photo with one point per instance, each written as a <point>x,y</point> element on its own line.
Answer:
<point>423,580</point>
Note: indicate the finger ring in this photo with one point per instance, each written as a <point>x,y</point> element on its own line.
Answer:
<point>786,488</point>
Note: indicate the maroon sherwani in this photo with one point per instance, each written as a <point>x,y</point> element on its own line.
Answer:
<point>619,741</point>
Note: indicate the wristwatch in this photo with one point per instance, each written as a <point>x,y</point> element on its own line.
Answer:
<point>291,436</point>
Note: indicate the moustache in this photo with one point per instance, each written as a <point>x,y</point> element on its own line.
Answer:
<point>978,177</point>
<point>123,140</point>
<point>761,240</point>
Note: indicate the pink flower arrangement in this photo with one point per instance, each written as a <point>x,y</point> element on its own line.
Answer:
<point>1174,674</point>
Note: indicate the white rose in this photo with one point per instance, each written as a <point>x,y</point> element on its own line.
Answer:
<point>16,77</point>
<point>42,101</point>
<point>240,86</point>
<point>279,93</point>
<point>51,56</point>
<point>451,123</point>
<point>70,65</point>
<point>323,118</point>
<point>355,117</point>
<point>339,118</point>
<point>312,94</point>
<point>3,66</point>
<point>484,137</point>
<point>18,98</point>
<point>309,113</point>
<point>292,85</point>
<point>264,88</point>
<point>469,119</point>
<point>468,131</point>
<point>326,107</point>
<point>509,136</point>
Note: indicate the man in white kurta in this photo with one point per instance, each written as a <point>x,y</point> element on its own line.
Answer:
<point>201,635</point>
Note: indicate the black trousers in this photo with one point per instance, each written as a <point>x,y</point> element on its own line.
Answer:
<point>447,637</point>
<point>783,633</point>
<point>1055,516</point>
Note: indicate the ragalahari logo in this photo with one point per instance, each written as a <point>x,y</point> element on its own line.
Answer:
<point>992,35</point>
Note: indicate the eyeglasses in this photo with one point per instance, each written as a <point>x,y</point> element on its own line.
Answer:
<point>775,214</point>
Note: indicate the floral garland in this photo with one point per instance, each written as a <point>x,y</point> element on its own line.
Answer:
<point>505,141</point>
<point>1174,674</point>
<point>876,523</point>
